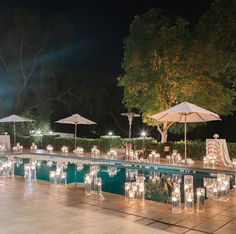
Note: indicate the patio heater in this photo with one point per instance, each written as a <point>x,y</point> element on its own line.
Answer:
<point>130,116</point>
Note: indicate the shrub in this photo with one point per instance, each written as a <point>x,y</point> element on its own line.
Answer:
<point>195,149</point>
<point>104,143</point>
<point>108,142</point>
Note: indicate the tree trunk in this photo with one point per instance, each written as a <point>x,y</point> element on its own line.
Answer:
<point>164,133</point>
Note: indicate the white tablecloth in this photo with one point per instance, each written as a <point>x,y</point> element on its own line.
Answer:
<point>5,141</point>
<point>218,147</point>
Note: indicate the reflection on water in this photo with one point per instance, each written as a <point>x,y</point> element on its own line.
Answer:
<point>158,184</point>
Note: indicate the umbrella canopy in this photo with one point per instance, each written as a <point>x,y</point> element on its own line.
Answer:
<point>14,119</point>
<point>75,119</point>
<point>186,113</point>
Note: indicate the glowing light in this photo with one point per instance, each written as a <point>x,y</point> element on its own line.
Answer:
<point>143,133</point>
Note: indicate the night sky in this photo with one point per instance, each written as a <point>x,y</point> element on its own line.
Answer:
<point>101,26</point>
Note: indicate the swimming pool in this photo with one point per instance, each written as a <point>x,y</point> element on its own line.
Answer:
<point>159,179</point>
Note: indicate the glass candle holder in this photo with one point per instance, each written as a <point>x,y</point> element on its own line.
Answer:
<point>33,147</point>
<point>168,159</point>
<point>200,199</point>
<point>234,162</point>
<point>63,178</point>
<point>205,162</point>
<point>30,172</point>
<point>58,177</point>
<point>112,154</point>
<point>151,156</point>
<point>10,166</point>
<point>131,174</point>
<point>94,169</point>
<point>141,194</point>
<point>127,187</point>
<point>95,152</point>
<point>188,187</point>
<point>52,177</point>
<point>157,158</point>
<point>189,205</point>
<point>112,171</point>
<point>211,187</point>
<point>79,166</point>
<point>140,188</point>
<point>18,162</point>
<point>18,148</point>
<point>88,184</point>
<point>223,186</point>
<point>215,190</point>
<point>49,148</point>
<point>174,159</point>
<point>98,185</point>
<point>79,150</point>
<point>131,194</point>
<point>64,149</point>
<point>176,199</point>
<point>179,158</point>
<point>49,163</point>
<point>39,163</point>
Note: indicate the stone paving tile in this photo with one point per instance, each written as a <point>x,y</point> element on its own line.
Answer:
<point>223,217</point>
<point>133,218</point>
<point>230,226</point>
<point>224,231</point>
<point>19,229</point>
<point>194,232</point>
<point>144,221</point>
<point>172,219</point>
<point>210,226</point>
<point>38,206</point>
<point>175,229</point>
<point>159,225</point>
<point>188,223</point>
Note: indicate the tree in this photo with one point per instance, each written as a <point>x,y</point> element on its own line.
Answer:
<point>29,55</point>
<point>91,94</point>
<point>216,32</point>
<point>162,68</point>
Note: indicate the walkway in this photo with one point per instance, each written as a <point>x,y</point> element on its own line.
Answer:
<point>38,208</point>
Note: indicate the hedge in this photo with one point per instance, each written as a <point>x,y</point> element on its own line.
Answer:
<point>104,143</point>
<point>195,149</point>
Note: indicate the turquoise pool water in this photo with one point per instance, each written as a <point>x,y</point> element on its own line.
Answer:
<point>158,190</point>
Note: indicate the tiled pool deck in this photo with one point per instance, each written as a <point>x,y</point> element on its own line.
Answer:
<point>38,208</point>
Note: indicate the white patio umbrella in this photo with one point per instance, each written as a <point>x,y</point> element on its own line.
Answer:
<point>14,119</point>
<point>185,113</point>
<point>75,119</point>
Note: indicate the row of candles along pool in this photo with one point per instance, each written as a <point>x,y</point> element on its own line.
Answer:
<point>216,187</point>
<point>153,157</point>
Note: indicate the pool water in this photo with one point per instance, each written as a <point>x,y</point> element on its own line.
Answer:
<point>158,190</point>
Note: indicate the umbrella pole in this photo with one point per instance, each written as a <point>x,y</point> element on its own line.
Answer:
<point>185,141</point>
<point>14,132</point>
<point>75,134</point>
